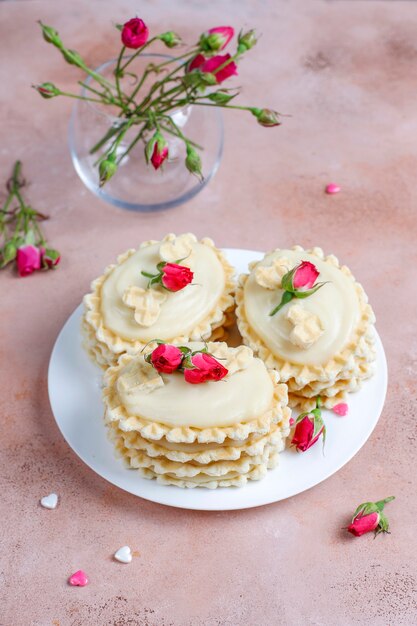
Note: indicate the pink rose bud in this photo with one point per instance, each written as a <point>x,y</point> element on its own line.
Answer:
<point>28,260</point>
<point>266,117</point>
<point>50,258</point>
<point>369,517</point>
<point>210,66</point>
<point>206,368</point>
<point>305,276</point>
<point>166,358</point>
<point>175,277</point>
<point>300,282</point>
<point>47,90</point>
<point>158,156</point>
<point>216,38</point>
<point>156,150</point>
<point>362,524</point>
<point>308,428</point>
<point>135,33</point>
<point>304,436</point>
<point>196,62</point>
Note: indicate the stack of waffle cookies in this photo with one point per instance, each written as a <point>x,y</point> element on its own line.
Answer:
<point>322,345</point>
<point>218,434</point>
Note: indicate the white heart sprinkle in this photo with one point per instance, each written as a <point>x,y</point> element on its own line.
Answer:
<point>124,555</point>
<point>49,502</point>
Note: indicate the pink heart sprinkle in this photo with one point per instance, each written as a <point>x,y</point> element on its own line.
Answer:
<point>292,420</point>
<point>79,579</point>
<point>341,409</point>
<point>332,188</point>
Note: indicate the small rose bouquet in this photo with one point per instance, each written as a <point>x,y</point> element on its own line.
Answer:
<point>21,237</point>
<point>197,366</point>
<point>194,77</point>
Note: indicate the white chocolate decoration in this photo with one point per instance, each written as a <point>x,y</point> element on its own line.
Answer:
<point>270,276</point>
<point>139,376</point>
<point>174,249</point>
<point>245,395</point>
<point>307,326</point>
<point>233,360</point>
<point>181,311</point>
<point>145,302</point>
<point>336,304</point>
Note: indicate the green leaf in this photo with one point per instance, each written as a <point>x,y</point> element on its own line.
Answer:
<point>318,423</point>
<point>187,363</point>
<point>383,526</point>
<point>221,97</point>
<point>309,292</point>
<point>286,280</point>
<point>365,508</point>
<point>301,417</point>
<point>147,275</point>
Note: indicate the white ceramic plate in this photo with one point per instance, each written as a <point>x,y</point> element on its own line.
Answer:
<point>75,395</point>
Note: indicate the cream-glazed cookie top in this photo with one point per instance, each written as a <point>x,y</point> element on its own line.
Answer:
<point>306,331</point>
<point>136,313</point>
<point>244,394</point>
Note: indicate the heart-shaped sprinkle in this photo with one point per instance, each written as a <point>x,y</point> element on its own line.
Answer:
<point>124,555</point>
<point>332,188</point>
<point>341,409</point>
<point>292,420</point>
<point>49,502</point>
<point>79,579</point>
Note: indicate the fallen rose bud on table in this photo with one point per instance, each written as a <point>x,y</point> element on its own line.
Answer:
<point>22,237</point>
<point>369,517</point>
<point>28,260</point>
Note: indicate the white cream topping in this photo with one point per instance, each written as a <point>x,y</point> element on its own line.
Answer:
<point>245,395</point>
<point>181,311</point>
<point>335,304</point>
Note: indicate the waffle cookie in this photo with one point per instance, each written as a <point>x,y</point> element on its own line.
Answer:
<point>125,310</point>
<point>213,434</point>
<point>321,345</point>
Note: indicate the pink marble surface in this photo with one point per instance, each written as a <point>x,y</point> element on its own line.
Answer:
<point>345,71</point>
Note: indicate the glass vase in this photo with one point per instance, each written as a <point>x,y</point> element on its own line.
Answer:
<point>136,185</point>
